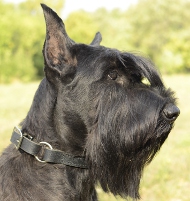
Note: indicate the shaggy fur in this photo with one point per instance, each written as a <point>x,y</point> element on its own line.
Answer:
<point>92,103</point>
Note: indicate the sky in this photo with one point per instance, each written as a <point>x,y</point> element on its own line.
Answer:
<point>90,5</point>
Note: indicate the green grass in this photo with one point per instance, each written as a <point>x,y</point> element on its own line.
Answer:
<point>167,178</point>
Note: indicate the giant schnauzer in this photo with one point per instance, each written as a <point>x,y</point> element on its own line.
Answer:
<point>93,120</point>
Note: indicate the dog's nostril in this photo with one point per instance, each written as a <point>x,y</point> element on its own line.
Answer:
<point>171,112</point>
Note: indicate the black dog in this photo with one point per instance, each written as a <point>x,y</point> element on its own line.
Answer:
<point>92,120</point>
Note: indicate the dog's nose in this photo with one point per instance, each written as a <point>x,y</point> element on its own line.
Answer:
<point>171,112</point>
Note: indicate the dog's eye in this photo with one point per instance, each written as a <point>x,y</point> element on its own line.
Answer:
<point>113,75</point>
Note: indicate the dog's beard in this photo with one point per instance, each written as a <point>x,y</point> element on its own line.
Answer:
<point>122,141</point>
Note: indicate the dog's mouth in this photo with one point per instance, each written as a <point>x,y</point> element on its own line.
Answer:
<point>153,143</point>
<point>156,143</point>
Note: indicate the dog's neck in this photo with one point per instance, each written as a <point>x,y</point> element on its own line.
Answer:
<point>41,123</point>
<point>48,120</point>
<point>38,122</point>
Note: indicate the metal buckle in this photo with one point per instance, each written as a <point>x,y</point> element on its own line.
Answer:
<point>47,144</point>
<point>20,138</point>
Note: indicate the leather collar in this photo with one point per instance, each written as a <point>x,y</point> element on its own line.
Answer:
<point>50,155</point>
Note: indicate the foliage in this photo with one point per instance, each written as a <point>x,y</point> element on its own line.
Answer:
<point>157,28</point>
<point>160,29</point>
<point>21,40</point>
<point>81,27</point>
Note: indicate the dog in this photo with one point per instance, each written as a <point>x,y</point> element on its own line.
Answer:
<point>93,120</point>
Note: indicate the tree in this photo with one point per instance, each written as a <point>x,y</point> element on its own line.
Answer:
<point>158,30</point>
<point>81,26</point>
<point>21,39</point>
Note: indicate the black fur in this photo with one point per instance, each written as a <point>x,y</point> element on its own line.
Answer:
<point>91,103</point>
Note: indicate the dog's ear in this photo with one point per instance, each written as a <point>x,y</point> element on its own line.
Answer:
<point>57,46</point>
<point>97,39</point>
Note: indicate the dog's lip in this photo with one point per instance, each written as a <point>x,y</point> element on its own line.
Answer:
<point>165,131</point>
<point>171,120</point>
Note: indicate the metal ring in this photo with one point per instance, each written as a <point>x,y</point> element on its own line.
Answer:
<point>19,130</point>
<point>47,144</point>
<point>19,141</point>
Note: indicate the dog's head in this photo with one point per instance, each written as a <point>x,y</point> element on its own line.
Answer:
<point>115,118</point>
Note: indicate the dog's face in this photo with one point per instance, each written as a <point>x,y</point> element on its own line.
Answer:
<point>130,121</point>
<point>122,121</point>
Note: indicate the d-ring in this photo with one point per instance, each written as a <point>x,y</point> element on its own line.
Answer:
<point>47,144</point>
<point>20,138</point>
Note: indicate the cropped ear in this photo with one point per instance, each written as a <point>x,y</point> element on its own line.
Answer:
<point>97,39</point>
<point>57,46</point>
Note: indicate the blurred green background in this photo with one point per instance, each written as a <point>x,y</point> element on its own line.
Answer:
<point>159,29</point>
